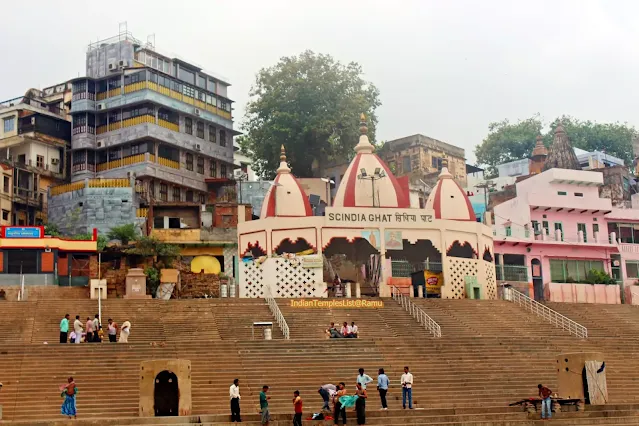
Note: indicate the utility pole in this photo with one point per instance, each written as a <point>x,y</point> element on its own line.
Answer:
<point>486,186</point>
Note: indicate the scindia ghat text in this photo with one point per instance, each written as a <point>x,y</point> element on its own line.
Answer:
<point>379,217</point>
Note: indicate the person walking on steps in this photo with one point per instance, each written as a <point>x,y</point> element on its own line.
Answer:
<point>64,329</point>
<point>77,329</point>
<point>266,415</point>
<point>112,329</point>
<point>297,405</point>
<point>341,391</point>
<point>546,404</point>
<point>69,390</point>
<point>124,332</point>
<point>326,392</point>
<point>407,388</point>
<point>234,393</point>
<point>382,387</point>
<point>360,404</point>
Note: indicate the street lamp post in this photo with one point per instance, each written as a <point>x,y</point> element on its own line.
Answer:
<point>328,182</point>
<point>377,175</point>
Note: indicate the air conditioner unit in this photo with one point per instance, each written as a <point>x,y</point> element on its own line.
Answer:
<point>113,66</point>
<point>238,173</point>
<point>198,147</point>
<point>102,106</point>
<point>47,250</point>
<point>55,161</point>
<point>99,144</point>
<point>124,63</point>
<point>197,111</point>
<point>32,121</point>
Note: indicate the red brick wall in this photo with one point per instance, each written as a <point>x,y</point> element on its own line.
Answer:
<point>46,262</point>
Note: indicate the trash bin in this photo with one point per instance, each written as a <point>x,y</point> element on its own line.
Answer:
<point>268,333</point>
<point>223,290</point>
<point>232,289</point>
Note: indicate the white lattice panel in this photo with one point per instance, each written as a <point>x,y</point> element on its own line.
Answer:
<point>251,280</point>
<point>490,284</point>
<point>228,253</point>
<point>285,279</point>
<point>457,269</point>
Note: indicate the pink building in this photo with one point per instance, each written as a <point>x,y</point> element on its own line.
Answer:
<point>556,230</point>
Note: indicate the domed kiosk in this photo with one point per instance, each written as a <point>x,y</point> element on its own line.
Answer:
<point>285,251</point>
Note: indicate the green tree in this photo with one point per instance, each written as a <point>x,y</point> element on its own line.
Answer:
<point>311,104</point>
<point>124,233</point>
<point>152,247</point>
<point>508,141</point>
<point>102,240</point>
<point>52,230</point>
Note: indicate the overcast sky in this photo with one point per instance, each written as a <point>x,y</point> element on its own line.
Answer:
<point>444,68</point>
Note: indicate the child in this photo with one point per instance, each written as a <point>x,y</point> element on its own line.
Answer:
<point>297,404</point>
<point>72,337</point>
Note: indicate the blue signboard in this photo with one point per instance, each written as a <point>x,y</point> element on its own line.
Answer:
<point>17,232</point>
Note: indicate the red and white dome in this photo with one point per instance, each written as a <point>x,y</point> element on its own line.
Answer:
<point>448,200</point>
<point>368,182</point>
<point>285,198</point>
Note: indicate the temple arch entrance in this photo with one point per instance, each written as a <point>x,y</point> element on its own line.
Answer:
<point>166,394</point>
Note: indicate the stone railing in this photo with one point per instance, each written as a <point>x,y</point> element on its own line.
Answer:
<point>416,312</point>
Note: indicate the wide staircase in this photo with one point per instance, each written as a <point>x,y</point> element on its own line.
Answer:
<point>602,320</point>
<point>491,353</point>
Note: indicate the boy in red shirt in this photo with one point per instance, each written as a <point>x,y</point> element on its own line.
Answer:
<point>544,394</point>
<point>297,403</point>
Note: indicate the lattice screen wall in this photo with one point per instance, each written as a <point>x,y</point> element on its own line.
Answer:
<point>455,273</point>
<point>285,279</point>
<point>489,281</point>
<point>228,253</point>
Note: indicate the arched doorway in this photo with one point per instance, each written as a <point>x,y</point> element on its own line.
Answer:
<point>166,395</point>
<point>538,279</point>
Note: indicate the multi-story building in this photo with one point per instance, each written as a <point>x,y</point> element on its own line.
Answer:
<point>422,156</point>
<point>35,135</point>
<point>144,115</point>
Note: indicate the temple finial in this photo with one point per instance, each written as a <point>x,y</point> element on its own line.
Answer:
<point>363,128</point>
<point>283,168</point>
<point>282,153</point>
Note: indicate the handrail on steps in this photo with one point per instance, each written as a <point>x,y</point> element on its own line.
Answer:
<point>277,314</point>
<point>416,312</point>
<point>539,309</point>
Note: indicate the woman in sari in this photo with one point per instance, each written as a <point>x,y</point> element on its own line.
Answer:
<point>69,392</point>
<point>124,332</point>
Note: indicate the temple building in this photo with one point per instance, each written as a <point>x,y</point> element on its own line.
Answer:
<point>370,226</point>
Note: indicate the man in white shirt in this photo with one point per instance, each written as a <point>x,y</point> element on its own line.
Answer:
<point>363,379</point>
<point>327,392</point>
<point>407,388</point>
<point>77,328</point>
<point>234,393</point>
<point>354,330</point>
<point>347,330</point>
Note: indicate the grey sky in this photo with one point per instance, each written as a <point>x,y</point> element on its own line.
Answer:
<point>444,68</point>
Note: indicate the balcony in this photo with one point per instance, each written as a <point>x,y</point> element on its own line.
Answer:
<point>89,183</point>
<point>124,162</point>
<point>15,102</point>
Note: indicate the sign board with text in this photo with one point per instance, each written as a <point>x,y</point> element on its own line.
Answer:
<point>22,232</point>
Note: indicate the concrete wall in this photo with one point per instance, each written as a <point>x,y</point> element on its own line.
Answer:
<point>80,211</point>
<point>583,293</point>
<point>98,59</point>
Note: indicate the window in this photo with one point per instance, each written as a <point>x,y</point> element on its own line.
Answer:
<point>536,228</point>
<point>188,126</point>
<point>436,163</point>
<point>5,215</point>
<point>509,231</point>
<point>189,162</point>
<point>213,169</point>
<point>9,124</point>
<point>222,138</point>
<point>176,193</point>
<point>22,261</point>
<point>40,161</point>
<point>202,198</point>
<point>212,134</point>
<point>211,86</point>
<point>200,130</point>
<point>632,267</point>
<point>595,228</point>
<point>579,194</point>
<point>406,164</point>
<point>559,227</point>
<point>223,171</point>
<point>562,270</point>
<point>189,196</point>
<point>201,81</point>
<point>6,185</point>
<point>546,227</point>
<point>200,165</point>
<point>582,227</point>
<point>561,193</point>
<point>186,75</point>
<point>164,189</point>
<point>188,91</point>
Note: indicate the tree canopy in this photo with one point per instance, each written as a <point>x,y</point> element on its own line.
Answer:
<point>508,141</point>
<point>311,104</point>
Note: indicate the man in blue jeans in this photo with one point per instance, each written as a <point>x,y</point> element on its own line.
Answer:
<point>546,407</point>
<point>407,388</point>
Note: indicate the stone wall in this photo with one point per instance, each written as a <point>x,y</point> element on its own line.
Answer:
<point>78,212</point>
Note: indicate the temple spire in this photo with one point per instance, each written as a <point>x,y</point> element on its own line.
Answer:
<point>364,146</point>
<point>283,168</point>
<point>561,155</point>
